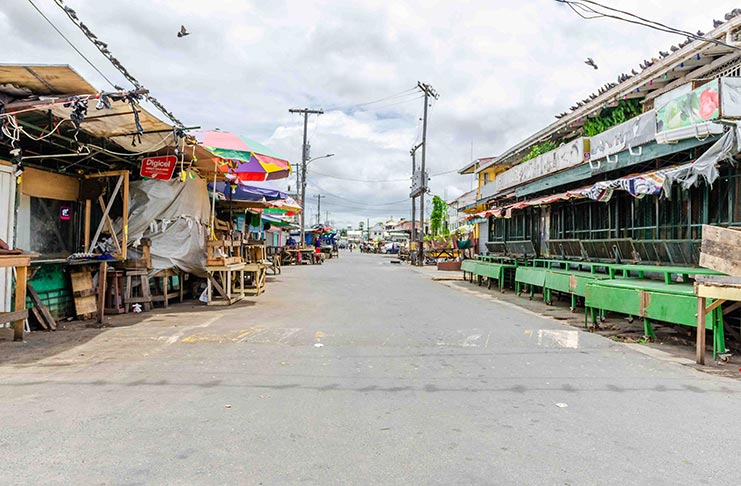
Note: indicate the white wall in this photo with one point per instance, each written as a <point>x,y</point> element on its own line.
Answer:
<point>483,236</point>
<point>7,213</point>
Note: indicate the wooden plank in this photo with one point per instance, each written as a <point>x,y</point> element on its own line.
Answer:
<point>88,213</point>
<point>49,185</point>
<point>13,316</point>
<point>725,293</point>
<point>721,249</point>
<point>102,281</point>
<point>37,314</point>
<point>82,282</point>
<point>700,345</point>
<point>125,217</point>
<point>46,318</point>
<point>15,260</point>
<point>20,300</point>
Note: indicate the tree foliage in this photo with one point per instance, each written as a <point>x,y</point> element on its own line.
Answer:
<point>540,149</point>
<point>438,216</point>
<point>609,117</point>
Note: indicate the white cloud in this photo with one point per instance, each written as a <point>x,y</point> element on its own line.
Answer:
<point>503,69</point>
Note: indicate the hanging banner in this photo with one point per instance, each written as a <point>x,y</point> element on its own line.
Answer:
<point>567,155</point>
<point>160,168</point>
<point>630,135</point>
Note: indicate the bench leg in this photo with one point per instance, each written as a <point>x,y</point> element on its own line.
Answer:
<point>648,330</point>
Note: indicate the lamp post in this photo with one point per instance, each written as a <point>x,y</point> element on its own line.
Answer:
<point>303,194</point>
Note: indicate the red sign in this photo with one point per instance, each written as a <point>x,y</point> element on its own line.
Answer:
<point>158,167</point>
<point>65,213</point>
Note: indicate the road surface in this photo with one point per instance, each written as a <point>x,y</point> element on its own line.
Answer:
<point>362,372</point>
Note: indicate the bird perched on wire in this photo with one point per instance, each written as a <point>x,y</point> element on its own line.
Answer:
<point>590,62</point>
<point>183,32</point>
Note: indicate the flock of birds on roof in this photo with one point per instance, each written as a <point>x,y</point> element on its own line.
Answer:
<point>647,63</point>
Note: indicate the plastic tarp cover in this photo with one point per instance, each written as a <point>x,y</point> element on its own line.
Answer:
<point>706,165</point>
<point>174,215</point>
<point>730,97</point>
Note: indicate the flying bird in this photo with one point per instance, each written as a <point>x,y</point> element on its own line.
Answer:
<point>590,62</point>
<point>183,32</point>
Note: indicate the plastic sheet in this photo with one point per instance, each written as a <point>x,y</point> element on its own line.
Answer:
<point>174,215</point>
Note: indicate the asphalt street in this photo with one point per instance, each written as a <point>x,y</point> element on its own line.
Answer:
<point>362,372</point>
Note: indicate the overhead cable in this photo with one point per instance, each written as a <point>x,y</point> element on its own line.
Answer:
<point>73,46</point>
<point>103,48</point>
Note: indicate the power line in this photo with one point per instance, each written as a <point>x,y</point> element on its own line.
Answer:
<point>406,179</point>
<point>397,95</point>
<point>103,48</point>
<point>384,107</point>
<point>74,47</point>
<point>634,19</point>
<point>363,203</point>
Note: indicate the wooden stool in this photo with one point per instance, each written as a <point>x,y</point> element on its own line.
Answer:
<point>162,285</point>
<point>114,299</point>
<point>146,295</point>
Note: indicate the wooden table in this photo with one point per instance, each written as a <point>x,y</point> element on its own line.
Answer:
<point>20,313</point>
<point>721,289</point>
<point>225,289</point>
<point>258,272</point>
<point>300,253</point>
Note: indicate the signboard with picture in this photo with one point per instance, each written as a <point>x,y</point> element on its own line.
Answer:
<point>689,108</point>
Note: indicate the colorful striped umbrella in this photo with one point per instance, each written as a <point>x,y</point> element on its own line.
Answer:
<point>242,158</point>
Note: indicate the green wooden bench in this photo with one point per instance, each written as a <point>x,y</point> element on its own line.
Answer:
<point>532,276</point>
<point>494,271</point>
<point>674,303</point>
<point>572,282</point>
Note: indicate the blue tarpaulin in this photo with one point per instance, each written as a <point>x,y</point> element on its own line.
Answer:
<point>253,192</point>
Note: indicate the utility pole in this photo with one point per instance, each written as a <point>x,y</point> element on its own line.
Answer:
<point>429,92</point>
<point>304,159</point>
<point>319,208</point>
<point>413,234</point>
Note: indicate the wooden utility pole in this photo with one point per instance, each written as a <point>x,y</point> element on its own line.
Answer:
<point>304,159</point>
<point>319,208</point>
<point>429,93</point>
<point>413,233</point>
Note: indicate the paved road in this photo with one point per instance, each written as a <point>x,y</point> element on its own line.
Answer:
<point>363,372</point>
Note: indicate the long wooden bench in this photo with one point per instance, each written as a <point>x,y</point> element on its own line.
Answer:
<point>675,303</point>
<point>533,277</point>
<point>567,281</point>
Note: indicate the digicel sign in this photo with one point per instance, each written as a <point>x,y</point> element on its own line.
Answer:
<point>158,167</point>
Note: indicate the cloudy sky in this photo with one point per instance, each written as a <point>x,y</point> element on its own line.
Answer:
<point>502,68</point>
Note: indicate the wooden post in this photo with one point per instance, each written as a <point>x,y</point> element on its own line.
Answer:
<point>701,317</point>
<point>102,280</point>
<point>21,273</point>
<point>125,216</point>
<point>88,214</point>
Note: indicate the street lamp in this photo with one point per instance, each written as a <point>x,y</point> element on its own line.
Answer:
<point>303,194</point>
